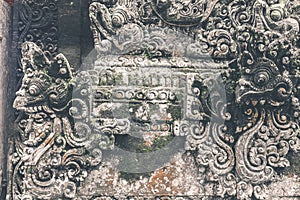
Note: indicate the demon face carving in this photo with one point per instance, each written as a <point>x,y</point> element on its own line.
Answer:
<point>44,91</point>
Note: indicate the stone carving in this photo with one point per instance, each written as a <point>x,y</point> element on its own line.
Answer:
<point>37,22</point>
<point>50,153</point>
<point>183,13</point>
<point>237,129</point>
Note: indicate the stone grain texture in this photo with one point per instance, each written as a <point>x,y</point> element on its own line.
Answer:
<point>5,90</point>
<point>74,38</point>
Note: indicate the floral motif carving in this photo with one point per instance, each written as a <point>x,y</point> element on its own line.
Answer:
<point>238,128</point>
<point>38,22</point>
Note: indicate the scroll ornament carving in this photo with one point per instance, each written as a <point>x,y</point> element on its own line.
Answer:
<point>240,142</point>
<point>51,152</point>
<point>38,22</point>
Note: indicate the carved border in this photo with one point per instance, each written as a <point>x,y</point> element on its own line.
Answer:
<point>36,22</point>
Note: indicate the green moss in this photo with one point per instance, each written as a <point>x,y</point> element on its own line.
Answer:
<point>118,78</point>
<point>158,143</point>
<point>30,170</point>
<point>175,111</point>
<point>137,146</point>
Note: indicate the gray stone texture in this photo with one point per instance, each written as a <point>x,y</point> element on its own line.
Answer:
<point>242,154</point>
<point>5,26</point>
<point>74,38</point>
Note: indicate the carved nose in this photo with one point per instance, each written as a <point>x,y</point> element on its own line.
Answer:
<point>19,102</point>
<point>20,93</point>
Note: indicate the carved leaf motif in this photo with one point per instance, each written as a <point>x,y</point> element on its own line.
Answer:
<point>61,138</point>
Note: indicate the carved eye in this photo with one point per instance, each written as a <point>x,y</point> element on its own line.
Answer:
<point>118,19</point>
<point>276,14</point>
<point>28,71</point>
<point>34,90</point>
<point>261,78</point>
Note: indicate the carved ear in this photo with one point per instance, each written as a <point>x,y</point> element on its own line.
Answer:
<point>61,90</point>
<point>60,68</point>
<point>33,57</point>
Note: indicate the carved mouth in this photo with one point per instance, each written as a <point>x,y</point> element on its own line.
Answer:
<point>276,93</point>
<point>33,109</point>
<point>253,97</point>
<point>22,104</point>
<point>247,92</point>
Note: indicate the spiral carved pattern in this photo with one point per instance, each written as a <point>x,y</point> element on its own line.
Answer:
<point>239,129</point>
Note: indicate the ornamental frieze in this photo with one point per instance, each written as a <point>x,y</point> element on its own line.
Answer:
<point>184,100</point>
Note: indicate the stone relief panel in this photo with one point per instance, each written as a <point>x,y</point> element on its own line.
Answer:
<point>186,100</point>
<point>36,21</point>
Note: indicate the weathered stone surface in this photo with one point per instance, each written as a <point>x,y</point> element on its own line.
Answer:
<point>185,99</point>
<point>5,90</point>
<point>70,21</point>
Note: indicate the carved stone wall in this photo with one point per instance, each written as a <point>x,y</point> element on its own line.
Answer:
<point>177,100</point>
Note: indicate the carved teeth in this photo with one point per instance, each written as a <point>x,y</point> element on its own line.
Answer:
<point>34,109</point>
<point>30,110</point>
<point>239,129</point>
<point>254,102</point>
<point>262,102</point>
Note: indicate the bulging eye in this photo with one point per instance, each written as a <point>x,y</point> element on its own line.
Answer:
<point>34,90</point>
<point>29,73</point>
<point>262,78</point>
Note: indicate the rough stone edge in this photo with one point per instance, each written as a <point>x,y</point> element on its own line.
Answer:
<point>6,93</point>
